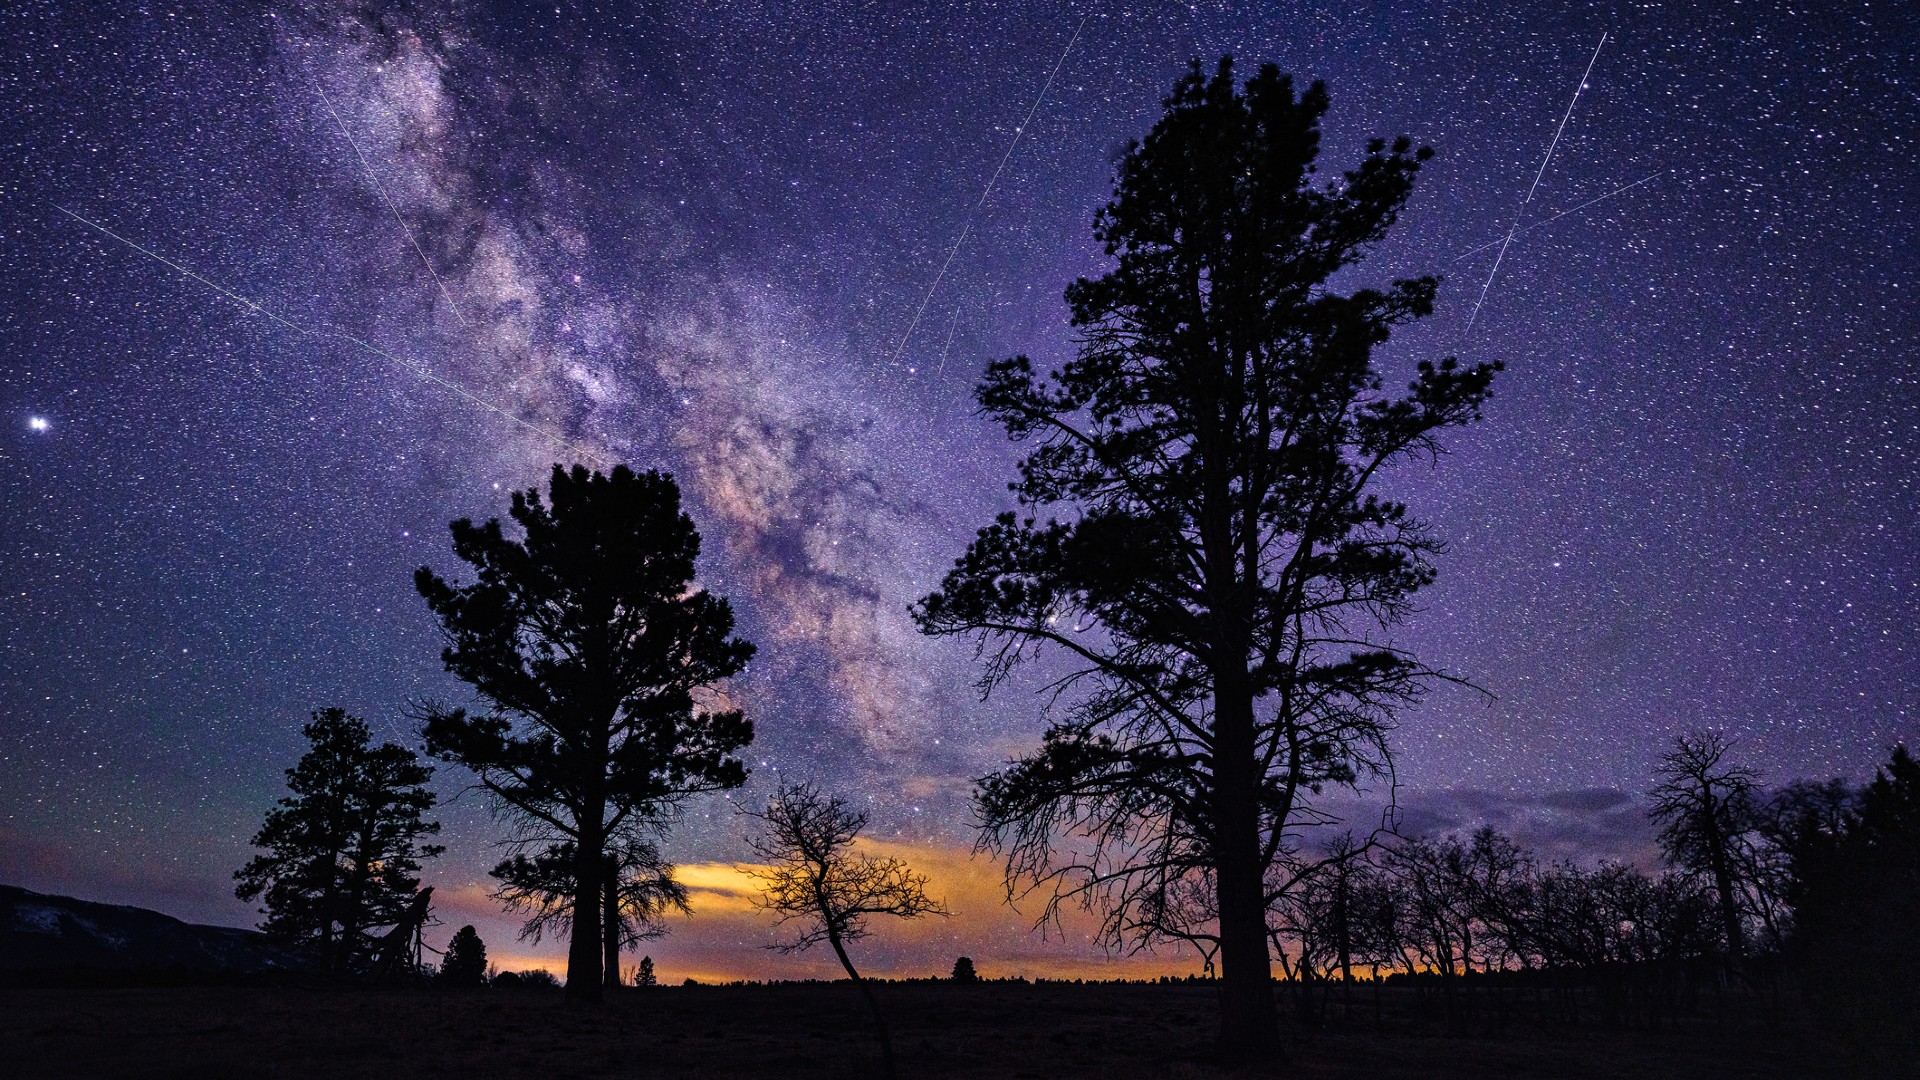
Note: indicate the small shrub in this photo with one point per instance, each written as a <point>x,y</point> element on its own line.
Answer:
<point>536,979</point>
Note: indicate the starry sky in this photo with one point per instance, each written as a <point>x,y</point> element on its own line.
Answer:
<point>726,240</point>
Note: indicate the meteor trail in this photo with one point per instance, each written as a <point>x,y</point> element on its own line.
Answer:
<point>1514,229</point>
<point>944,349</point>
<point>381,188</point>
<point>1004,158</point>
<point>397,361</point>
<point>1570,210</point>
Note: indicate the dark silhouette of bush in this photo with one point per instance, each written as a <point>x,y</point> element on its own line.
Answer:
<point>963,971</point>
<point>643,975</point>
<point>540,979</point>
<point>466,962</point>
<point>526,980</point>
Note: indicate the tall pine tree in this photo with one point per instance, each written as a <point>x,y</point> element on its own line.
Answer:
<point>1201,538</point>
<point>1856,901</point>
<point>592,648</point>
<point>343,852</point>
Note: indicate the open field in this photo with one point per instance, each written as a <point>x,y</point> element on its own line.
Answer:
<point>941,1030</point>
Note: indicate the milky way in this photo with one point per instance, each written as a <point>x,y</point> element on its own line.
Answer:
<point>695,239</point>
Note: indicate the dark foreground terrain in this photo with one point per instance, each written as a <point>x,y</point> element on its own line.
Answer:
<point>941,1030</point>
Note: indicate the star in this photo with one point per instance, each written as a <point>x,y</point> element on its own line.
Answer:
<point>39,423</point>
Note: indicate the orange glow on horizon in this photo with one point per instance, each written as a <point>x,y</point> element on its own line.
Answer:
<point>726,939</point>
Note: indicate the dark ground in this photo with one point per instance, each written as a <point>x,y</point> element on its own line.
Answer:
<point>941,1030</point>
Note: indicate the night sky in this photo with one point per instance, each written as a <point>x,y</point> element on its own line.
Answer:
<point>695,238</point>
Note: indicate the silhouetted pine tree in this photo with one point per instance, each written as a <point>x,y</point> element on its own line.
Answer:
<point>1201,537</point>
<point>343,851</point>
<point>589,641</point>
<point>466,961</point>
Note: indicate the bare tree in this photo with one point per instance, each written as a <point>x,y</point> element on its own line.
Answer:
<point>1436,922</point>
<point>1705,807</point>
<point>1321,903</point>
<point>818,883</point>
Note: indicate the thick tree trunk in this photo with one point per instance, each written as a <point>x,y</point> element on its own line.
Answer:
<point>583,951</point>
<point>1723,885</point>
<point>610,926</point>
<point>1249,1028</point>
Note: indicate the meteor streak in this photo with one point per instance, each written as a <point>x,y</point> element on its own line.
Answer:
<point>944,349</point>
<point>1570,210</point>
<point>398,361</point>
<point>1514,229</point>
<point>381,188</point>
<point>1004,158</point>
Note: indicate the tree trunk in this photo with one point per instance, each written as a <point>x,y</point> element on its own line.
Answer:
<point>873,1003</point>
<point>589,871</point>
<point>1249,1028</point>
<point>610,926</point>
<point>1729,905</point>
<point>357,894</point>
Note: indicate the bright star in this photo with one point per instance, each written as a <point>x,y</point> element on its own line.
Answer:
<point>38,423</point>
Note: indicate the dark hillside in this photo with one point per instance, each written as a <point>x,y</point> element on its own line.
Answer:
<point>47,934</point>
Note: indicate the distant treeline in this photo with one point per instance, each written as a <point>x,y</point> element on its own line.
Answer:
<point>1807,894</point>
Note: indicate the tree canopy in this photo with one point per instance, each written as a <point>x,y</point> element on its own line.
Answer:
<point>1856,905</point>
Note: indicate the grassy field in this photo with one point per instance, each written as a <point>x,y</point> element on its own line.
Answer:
<point>941,1030</point>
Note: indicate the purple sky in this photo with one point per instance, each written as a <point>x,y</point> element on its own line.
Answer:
<point>694,240</point>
